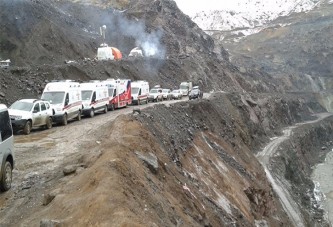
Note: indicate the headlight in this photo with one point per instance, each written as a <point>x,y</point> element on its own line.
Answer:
<point>15,117</point>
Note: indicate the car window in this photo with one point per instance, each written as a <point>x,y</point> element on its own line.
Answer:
<point>36,108</point>
<point>5,126</point>
<point>47,106</point>
<point>42,106</point>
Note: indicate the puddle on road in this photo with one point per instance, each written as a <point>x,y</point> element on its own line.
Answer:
<point>33,137</point>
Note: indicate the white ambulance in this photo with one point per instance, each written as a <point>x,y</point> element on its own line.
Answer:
<point>119,92</point>
<point>140,92</point>
<point>65,99</point>
<point>95,97</point>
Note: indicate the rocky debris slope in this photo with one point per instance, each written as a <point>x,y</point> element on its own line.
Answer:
<point>191,163</point>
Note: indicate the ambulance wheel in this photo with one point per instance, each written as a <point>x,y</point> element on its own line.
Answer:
<point>79,116</point>
<point>92,113</point>
<point>112,107</point>
<point>27,128</point>
<point>49,123</point>
<point>105,109</point>
<point>64,120</point>
<point>6,179</point>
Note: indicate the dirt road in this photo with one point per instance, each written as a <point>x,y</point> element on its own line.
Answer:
<point>41,155</point>
<point>281,189</point>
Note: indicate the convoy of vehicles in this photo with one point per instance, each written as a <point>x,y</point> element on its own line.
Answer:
<point>95,98</point>
<point>119,93</point>
<point>65,99</point>
<point>6,149</point>
<point>26,114</point>
<point>140,92</point>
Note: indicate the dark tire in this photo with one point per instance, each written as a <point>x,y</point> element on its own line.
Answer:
<point>105,109</point>
<point>79,116</point>
<point>49,123</point>
<point>64,120</point>
<point>27,128</point>
<point>6,178</point>
<point>91,113</point>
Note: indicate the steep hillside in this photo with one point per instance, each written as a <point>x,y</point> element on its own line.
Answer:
<point>299,52</point>
<point>38,36</point>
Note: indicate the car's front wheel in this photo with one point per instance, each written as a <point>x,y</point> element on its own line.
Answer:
<point>78,116</point>
<point>92,113</point>
<point>64,120</point>
<point>6,179</point>
<point>105,109</point>
<point>49,123</point>
<point>27,128</point>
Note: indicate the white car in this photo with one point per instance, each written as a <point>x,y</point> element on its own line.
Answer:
<point>29,113</point>
<point>155,95</point>
<point>166,93</point>
<point>177,94</point>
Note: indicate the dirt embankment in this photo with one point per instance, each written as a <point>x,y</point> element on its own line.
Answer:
<point>183,164</point>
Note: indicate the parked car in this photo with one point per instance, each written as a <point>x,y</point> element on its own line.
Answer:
<point>166,93</point>
<point>176,94</point>
<point>195,93</point>
<point>29,113</point>
<point>155,95</point>
<point>6,149</point>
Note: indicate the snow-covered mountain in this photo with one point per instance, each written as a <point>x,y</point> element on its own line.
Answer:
<point>251,15</point>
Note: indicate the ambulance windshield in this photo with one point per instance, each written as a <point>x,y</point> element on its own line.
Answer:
<point>86,95</point>
<point>54,97</point>
<point>135,90</point>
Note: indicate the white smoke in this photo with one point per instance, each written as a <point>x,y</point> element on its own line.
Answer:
<point>149,42</point>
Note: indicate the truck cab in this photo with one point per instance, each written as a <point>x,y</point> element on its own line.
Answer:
<point>6,149</point>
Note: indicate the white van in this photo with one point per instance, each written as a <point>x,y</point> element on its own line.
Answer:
<point>65,100</point>
<point>6,149</point>
<point>140,92</point>
<point>94,98</point>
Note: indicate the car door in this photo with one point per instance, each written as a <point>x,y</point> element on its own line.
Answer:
<point>36,115</point>
<point>44,113</point>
